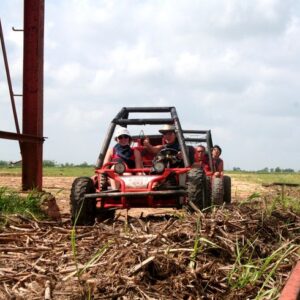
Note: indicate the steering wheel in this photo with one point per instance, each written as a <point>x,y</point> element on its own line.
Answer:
<point>169,157</point>
<point>168,151</point>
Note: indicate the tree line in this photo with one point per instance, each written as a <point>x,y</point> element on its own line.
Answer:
<point>268,170</point>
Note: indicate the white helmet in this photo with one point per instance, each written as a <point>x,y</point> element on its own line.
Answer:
<point>122,131</point>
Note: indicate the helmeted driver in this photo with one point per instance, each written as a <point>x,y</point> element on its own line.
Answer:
<point>170,143</point>
<point>169,138</point>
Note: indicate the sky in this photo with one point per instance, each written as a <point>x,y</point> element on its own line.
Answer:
<point>229,66</point>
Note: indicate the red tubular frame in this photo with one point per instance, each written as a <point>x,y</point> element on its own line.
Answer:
<point>109,202</point>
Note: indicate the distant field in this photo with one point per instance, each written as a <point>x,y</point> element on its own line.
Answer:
<point>52,171</point>
<point>88,171</point>
<point>266,177</point>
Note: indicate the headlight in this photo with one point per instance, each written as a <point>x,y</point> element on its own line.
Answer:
<point>159,167</point>
<point>119,168</point>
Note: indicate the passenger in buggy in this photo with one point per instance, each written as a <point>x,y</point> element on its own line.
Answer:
<point>122,152</point>
<point>217,161</point>
<point>201,158</point>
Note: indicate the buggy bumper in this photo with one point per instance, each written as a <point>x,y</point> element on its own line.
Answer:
<point>137,194</point>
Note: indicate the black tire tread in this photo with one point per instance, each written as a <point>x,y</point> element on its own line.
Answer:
<point>197,188</point>
<point>217,191</point>
<point>227,189</point>
<point>85,216</point>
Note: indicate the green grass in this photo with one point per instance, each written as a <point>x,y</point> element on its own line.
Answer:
<point>12,202</point>
<point>52,171</point>
<point>271,203</point>
<point>284,203</point>
<point>267,178</point>
<point>259,270</point>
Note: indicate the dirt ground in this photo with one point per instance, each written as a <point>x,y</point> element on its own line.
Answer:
<point>60,188</point>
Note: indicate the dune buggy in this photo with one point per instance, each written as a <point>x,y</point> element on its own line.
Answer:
<point>164,181</point>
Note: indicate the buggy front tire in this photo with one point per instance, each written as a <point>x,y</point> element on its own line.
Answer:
<point>82,210</point>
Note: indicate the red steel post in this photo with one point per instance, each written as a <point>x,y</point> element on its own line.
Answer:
<point>33,69</point>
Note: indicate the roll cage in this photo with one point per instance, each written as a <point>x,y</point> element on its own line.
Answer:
<point>123,118</point>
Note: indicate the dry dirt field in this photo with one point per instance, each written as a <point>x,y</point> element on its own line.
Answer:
<point>145,254</point>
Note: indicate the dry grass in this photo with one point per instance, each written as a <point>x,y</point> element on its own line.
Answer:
<point>235,252</point>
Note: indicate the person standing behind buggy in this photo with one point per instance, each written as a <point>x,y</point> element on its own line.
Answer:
<point>217,161</point>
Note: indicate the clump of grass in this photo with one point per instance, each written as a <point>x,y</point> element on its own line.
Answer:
<point>199,244</point>
<point>80,270</point>
<point>93,259</point>
<point>196,245</point>
<point>11,202</point>
<point>285,203</point>
<point>253,271</point>
<point>254,195</point>
<point>251,199</point>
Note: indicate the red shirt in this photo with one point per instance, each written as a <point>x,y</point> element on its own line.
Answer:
<point>218,164</point>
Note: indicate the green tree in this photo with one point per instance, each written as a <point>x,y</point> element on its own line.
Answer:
<point>236,169</point>
<point>84,164</point>
<point>3,163</point>
<point>288,170</point>
<point>264,170</point>
<point>49,163</point>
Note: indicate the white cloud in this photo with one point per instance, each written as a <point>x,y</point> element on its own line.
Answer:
<point>134,61</point>
<point>75,119</point>
<point>67,73</point>
<point>101,80</point>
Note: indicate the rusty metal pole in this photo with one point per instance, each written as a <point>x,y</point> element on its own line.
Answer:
<point>32,153</point>
<point>10,88</point>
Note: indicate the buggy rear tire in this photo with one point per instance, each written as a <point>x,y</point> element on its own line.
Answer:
<point>217,193</point>
<point>82,210</point>
<point>227,189</point>
<point>208,190</point>
<point>198,189</point>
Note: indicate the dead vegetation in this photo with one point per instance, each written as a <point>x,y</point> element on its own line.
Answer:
<point>234,252</point>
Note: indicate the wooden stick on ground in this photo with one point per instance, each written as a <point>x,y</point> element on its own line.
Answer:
<point>47,290</point>
<point>139,266</point>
